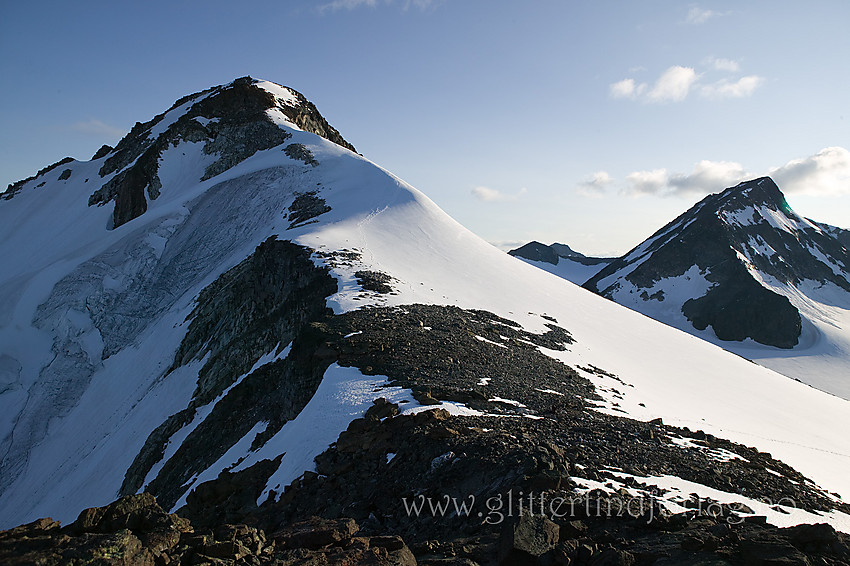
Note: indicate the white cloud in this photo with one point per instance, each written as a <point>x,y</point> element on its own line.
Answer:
<point>337,5</point>
<point>673,85</point>
<point>825,173</point>
<point>709,177</point>
<point>622,89</point>
<point>706,177</point>
<point>626,88</point>
<point>697,15</point>
<point>724,88</point>
<point>95,127</point>
<point>727,65</point>
<point>594,185</point>
<point>487,194</point>
<point>647,182</point>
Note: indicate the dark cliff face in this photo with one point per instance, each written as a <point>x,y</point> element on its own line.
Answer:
<point>727,235</point>
<point>235,126</point>
<point>259,306</point>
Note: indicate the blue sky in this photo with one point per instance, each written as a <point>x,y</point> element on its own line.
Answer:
<point>591,123</point>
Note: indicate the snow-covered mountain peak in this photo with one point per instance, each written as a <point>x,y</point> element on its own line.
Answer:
<point>207,133</point>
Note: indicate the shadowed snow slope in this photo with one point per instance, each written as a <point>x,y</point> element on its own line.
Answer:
<point>120,347</point>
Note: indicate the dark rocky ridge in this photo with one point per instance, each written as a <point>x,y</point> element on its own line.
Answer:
<point>238,127</point>
<point>535,251</point>
<point>261,304</point>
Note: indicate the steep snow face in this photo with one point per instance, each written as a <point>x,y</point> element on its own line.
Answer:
<point>94,319</point>
<point>773,286</point>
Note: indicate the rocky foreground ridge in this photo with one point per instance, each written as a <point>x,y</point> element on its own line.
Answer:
<point>565,529</point>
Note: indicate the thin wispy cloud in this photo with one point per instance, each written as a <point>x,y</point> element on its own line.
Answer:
<point>94,127</point>
<point>724,88</point>
<point>486,194</point>
<point>697,15</point>
<point>719,64</point>
<point>349,5</point>
<point>595,185</point>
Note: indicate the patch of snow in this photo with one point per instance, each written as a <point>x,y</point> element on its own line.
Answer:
<point>282,94</point>
<point>482,339</point>
<point>205,121</point>
<point>550,391</point>
<point>507,402</point>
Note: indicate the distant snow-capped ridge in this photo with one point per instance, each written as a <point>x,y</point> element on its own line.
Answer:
<point>234,311</point>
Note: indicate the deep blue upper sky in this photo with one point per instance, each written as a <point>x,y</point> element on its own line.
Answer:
<point>592,123</point>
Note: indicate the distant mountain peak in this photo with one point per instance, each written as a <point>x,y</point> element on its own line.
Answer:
<point>737,249</point>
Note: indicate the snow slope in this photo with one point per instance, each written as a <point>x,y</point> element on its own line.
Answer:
<point>569,269</point>
<point>75,417</point>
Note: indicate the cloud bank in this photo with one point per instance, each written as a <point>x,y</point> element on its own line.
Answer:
<point>825,173</point>
<point>676,83</point>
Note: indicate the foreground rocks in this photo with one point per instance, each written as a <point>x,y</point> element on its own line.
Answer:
<point>135,530</point>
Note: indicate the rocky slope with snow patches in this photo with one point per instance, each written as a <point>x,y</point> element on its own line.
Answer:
<point>743,270</point>
<point>257,326</point>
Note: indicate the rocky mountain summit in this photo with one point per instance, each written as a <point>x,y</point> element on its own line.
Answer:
<point>233,340</point>
<point>733,240</point>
